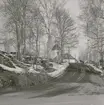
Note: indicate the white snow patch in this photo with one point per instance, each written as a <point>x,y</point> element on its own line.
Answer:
<point>16,70</point>
<point>59,69</point>
<point>19,70</point>
<point>69,60</point>
<point>32,70</point>
<point>95,68</point>
<point>22,63</point>
<point>38,67</point>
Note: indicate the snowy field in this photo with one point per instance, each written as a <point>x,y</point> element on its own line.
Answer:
<point>65,99</point>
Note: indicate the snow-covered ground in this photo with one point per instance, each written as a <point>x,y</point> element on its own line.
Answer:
<point>36,98</point>
<point>16,69</point>
<point>38,67</point>
<point>59,69</point>
<point>23,99</point>
<point>96,69</point>
<point>32,70</point>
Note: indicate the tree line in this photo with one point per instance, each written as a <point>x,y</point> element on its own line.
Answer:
<point>29,22</point>
<point>92,18</point>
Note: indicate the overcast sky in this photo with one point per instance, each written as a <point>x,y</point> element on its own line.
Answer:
<point>74,9</point>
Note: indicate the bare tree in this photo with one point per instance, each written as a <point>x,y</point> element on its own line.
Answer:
<point>47,12</point>
<point>35,25</point>
<point>16,22</point>
<point>93,23</point>
<point>48,8</point>
<point>29,20</point>
<point>66,30</point>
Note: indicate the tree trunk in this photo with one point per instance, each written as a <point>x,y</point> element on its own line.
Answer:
<point>62,51</point>
<point>18,42</point>
<point>48,46</point>
<point>23,30</point>
<point>24,41</point>
<point>37,47</point>
<point>62,45</point>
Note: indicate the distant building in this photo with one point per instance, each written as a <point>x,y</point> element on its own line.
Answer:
<point>55,53</point>
<point>69,58</point>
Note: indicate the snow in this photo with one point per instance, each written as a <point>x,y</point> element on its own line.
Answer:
<point>54,54</point>
<point>69,60</point>
<point>95,68</point>
<point>32,70</point>
<point>59,69</point>
<point>16,70</point>
<point>38,67</point>
<point>22,63</point>
<point>72,61</point>
<point>20,70</point>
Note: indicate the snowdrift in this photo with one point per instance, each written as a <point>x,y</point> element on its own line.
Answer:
<point>95,68</point>
<point>32,75</point>
<point>32,70</point>
<point>11,64</point>
<point>16,69</point>
<point>21,75</point>
<point>78,73</point>
<point>77,77</point>
<point>60,69</point>
<point>86,89</point>
<point>7,64</point>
